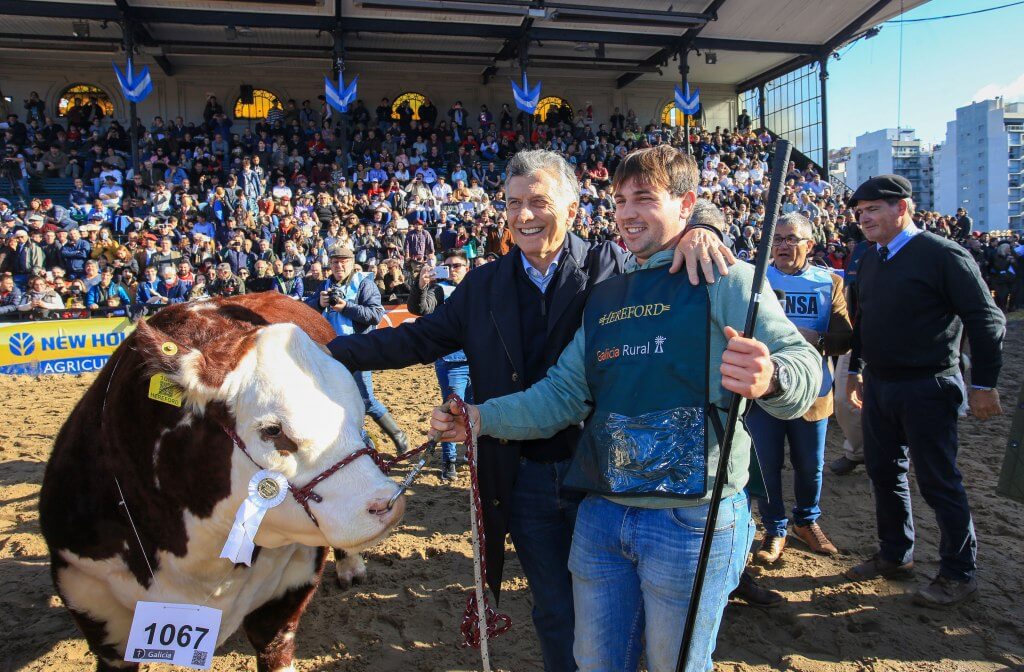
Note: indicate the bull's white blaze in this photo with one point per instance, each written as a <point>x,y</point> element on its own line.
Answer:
<point>285,379</point>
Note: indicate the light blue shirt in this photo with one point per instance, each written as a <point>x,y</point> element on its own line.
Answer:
<point>542,280</point>
<point>901,239</point>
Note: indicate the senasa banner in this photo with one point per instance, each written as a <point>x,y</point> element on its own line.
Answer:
<point>60,346</point>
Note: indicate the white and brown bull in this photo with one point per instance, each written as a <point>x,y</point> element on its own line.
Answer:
<point>253,366</point>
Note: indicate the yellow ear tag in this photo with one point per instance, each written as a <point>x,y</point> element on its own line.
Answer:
<point>164,390</point>
<point>169,348</point>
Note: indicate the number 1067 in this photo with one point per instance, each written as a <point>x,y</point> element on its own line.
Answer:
<point>169,634</point>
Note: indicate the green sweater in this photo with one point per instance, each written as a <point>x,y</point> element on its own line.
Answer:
<point>563,397</point>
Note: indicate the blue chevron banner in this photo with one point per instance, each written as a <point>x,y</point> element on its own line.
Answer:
<point>687,103</point>
<point>340,96</point>
<point>135,87</point>
<point>526,99</point>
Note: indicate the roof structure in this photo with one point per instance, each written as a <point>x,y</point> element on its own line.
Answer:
<point>739,43</point>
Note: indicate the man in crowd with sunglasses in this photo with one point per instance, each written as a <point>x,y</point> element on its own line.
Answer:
<point>433,287</point>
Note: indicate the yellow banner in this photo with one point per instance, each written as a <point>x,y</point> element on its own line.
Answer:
<point>60,346</point>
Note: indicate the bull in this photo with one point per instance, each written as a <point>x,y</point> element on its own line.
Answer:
<point>257,390</point>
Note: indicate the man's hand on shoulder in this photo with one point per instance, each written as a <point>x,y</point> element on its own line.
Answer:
<point>700,248</point>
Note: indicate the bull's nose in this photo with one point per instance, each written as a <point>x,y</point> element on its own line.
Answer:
<point>393,504</point>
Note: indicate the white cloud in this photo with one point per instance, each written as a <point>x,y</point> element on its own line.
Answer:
<point>1010,92</point>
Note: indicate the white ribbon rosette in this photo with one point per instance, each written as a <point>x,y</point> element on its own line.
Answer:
<point>267,489</point>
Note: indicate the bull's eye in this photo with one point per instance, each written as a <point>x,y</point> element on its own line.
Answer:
<point>270,431</point>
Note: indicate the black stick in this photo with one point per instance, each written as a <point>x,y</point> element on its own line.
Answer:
<point>778,177</point>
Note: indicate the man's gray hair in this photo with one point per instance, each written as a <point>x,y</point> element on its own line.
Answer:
<point>799,222</point>
<point>532,161</point>
<point>706,212</point>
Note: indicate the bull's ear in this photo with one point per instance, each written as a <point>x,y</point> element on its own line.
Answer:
<point>163,354</point>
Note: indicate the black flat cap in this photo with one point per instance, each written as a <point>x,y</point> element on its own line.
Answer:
<point>882,187</point>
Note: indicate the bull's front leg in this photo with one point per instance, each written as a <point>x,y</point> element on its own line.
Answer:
<point>349,568</point>
<point>271,628</point>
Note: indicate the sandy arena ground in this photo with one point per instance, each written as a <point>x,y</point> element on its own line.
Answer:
<point>406,617</point>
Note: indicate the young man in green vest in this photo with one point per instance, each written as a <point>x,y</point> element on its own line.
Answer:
<point>651,371</point>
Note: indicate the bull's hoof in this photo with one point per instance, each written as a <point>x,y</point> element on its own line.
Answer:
<point>350,569</point>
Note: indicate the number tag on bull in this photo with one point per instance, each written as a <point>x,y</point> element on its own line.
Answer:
<point>180,634</point>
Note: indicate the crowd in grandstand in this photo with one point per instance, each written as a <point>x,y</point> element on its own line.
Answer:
<point>214,210</point>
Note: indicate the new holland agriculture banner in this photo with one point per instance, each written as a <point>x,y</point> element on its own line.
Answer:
<point>81,346</point>
<point>60,346</point>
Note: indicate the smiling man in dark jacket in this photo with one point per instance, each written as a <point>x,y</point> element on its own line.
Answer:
<point>513,318</point>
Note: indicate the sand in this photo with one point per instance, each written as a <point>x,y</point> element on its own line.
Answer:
<point>406,616</point>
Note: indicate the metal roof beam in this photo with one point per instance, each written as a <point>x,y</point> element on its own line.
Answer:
<point>682,42</point>
<point>59,10</point>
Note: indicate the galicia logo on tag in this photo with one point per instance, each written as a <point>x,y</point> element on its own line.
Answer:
<point>154,654</point>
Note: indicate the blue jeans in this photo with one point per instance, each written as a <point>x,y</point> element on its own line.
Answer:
<point>541,524</point>
<point>919,416</point>
<point>806,454</point>
<point>364,381</point>
<point>632,574</point>
<point>452,377</point>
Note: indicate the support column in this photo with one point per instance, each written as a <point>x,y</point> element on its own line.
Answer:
<point>128,34</point>
<point>524,61</point>
<point>761,101</point>
<point>823,78</point>
<point>338,67</point>
<point>684,72</point>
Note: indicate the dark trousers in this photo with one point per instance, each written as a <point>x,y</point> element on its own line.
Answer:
<point>922,415</point>
<point>542,520</point>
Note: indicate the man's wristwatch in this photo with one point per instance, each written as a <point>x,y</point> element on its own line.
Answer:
<point>780,382</point>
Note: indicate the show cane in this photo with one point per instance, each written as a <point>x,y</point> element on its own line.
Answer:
<point>778,176</point>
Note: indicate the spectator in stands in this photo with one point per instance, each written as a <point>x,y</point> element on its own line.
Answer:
<point>10,295</point>
<point>75,253</point>
<point>28,256</point>
<point>107,295</point>
<point>171,289</point>
<point>499,239</point>
<point>289,282</point>
<point>263,280</point>
<point>39,299</point>
<point>419,245</point>
<point>226,282</point>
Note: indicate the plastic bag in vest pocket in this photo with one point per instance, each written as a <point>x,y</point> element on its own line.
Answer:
<point>661,452</point>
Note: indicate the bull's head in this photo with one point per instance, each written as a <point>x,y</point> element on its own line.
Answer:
<point>298,412</point>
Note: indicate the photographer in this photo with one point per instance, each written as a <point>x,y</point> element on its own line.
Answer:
<point>433,287</point>
<point>351,303</point>
<point>14,169</point>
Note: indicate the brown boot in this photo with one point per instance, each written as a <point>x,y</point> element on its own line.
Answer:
<point>771,549</point>
<point>815,538</point>
<point>878,567</point>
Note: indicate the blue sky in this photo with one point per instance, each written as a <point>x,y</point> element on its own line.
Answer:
<point>946,64</point>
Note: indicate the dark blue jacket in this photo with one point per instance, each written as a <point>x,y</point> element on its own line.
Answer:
<point>75,256</point>
<point>176,294</point>
<point>481,317</point>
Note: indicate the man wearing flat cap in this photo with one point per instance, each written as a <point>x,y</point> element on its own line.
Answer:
<point>916,294</point>
<point>351,302</point>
